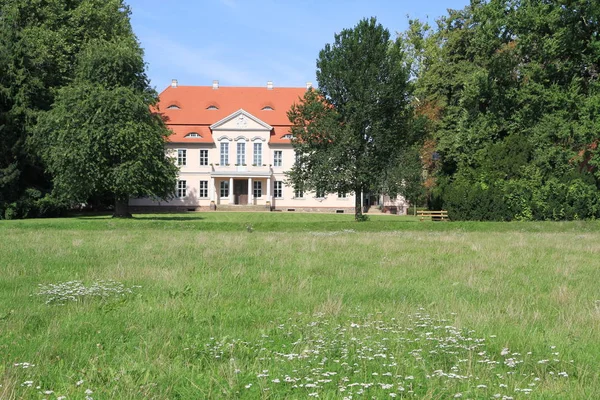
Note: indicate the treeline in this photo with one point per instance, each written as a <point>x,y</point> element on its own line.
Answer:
<point>510,95</point>
<point>505,99</point>
<point>75,122</point>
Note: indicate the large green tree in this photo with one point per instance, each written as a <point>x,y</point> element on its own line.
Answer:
<point>39,44</point>
<point>512,91</point>
<point>351,133</point>
<point>100,136</point>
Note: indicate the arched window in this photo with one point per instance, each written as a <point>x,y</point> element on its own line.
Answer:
<point>173,107</point>
<point>193,135</point>
<point>267,108</point>
<point>211,107</point>
<point>287,136</point>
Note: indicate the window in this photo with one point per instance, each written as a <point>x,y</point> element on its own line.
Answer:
<point>193,135</point>
<point>287,136</point>
<point>298,193</point>
<point>173,107</point>
<point>341,195</point>
<point>212,108</point>
<point>181,189</point>
<point>241,153</point>
<point>278,158</point>
<point>224,153</point>
<point>203,157</point>
<point>224,189</point>
<point>267,108</point>
<point>181,157</point>
<point>257,153</point>
<point>278,189</point>
<point>257,189</point>
<point>203,193</point>
<point>320,194</point>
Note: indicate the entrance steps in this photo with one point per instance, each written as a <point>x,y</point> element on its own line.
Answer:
<point>244,208</point>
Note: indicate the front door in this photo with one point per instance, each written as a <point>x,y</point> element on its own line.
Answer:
<point>240,191</point>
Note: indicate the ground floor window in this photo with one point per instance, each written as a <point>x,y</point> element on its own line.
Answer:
<point>320,194</point>
<point>278,189</point>
<point>298,193</point>
<point>181,189</point>
<point>203,192</point>
<point>257,189</point>
<point>341,195</point>
<point>224,189</point>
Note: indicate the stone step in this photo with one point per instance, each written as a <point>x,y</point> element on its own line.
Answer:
<point>243,208</point>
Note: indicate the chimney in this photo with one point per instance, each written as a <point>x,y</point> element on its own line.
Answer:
<point>270,85</point>
<point>215,84</point>
<point>174,83</point>
<point>308,85</point>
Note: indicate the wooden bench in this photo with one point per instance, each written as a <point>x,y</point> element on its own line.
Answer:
<point>433,215</point>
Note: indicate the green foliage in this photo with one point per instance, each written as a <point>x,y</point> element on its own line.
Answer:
<point>39,45</point>
<point>351,132</point>
<point>100,135</point>
<point>515,88</point>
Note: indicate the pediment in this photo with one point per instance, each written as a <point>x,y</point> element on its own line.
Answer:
<point>241,121</point>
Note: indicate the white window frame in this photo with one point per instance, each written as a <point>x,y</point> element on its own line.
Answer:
<point>181,189</point>
<point>240,153</point>
<point>278,158</point>
<point>181,157</point>
<point>203,190</point>
<point>203,157</point>
<point>224,189</point>
<point>224,153</point>
<point>278,189</point>
<point>320,192</point>
<point>298,193</point>
<point>257,189</point>
<point>257,153</point>
<point>342,195</point>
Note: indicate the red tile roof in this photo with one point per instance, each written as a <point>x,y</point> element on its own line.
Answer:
<point>194,114</point>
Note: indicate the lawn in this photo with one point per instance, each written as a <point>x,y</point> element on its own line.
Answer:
<point>282,305</point>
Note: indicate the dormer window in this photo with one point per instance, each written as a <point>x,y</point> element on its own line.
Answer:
<point>211,107</point>
<point>193,135</point>
<point>173,107</point>
<point>267,108</point>
<point>287,136</point>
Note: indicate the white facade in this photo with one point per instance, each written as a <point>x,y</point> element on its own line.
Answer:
<point>241,168</point>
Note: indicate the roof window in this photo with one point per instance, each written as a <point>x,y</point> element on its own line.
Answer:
<point>287,136</point>
<point>212,107</point>
<point>267,108</point>
<point>173,107</point>
<point>193,135</point>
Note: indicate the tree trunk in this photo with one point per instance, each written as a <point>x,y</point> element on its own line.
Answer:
<point>122,208</point>
<point>358,216</point>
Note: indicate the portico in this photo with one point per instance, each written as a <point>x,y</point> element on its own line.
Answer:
<point>241,188</point>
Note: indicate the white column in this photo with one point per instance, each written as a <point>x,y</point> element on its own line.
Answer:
<point>230,190</point>
<point>250,191</point>
<point>269,189</point>
<point>211,189</point>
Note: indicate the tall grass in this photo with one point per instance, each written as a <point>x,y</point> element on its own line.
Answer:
<point>327,307</point>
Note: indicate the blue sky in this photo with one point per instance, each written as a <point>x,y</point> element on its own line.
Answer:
<point>249,42</point>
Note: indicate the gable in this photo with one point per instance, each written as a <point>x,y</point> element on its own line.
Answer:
<point>241,121</point>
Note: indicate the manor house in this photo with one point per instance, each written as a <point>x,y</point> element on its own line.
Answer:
<point>233,146</point>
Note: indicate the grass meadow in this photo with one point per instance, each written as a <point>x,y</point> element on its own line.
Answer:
<point>295,306</point>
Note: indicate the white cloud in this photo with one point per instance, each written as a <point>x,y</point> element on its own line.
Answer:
<point>229,3</point>
<point>203,63</point>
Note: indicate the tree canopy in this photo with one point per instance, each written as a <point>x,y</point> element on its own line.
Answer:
<point>39,44</point>
<point>511,92</point>
<point>100,136</point>
<point>350,133</point>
